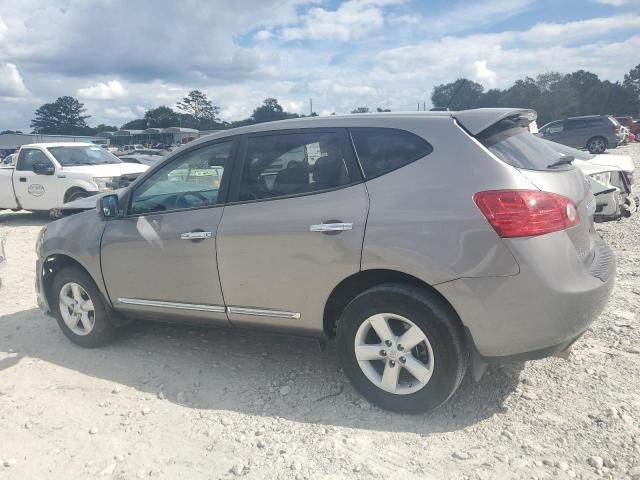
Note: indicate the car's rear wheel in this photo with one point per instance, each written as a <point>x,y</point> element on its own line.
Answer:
<point>597,145</point>
<point>402,348</point>
<point>80,309</point>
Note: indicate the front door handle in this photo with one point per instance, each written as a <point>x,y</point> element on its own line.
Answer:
<point>331,227</point>
<point>195,235</point>
<point>23,179</point>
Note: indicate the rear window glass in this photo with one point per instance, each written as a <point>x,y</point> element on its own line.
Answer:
<point>515,146</point>
<point>381,150</point>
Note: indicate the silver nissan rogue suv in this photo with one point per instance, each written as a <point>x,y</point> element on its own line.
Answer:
<point>424,243</point>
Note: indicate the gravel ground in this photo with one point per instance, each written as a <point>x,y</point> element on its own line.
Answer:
<point>180,402</point>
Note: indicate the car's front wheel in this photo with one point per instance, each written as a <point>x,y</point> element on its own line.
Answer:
<point>402,348</point>
<point>80,309</point>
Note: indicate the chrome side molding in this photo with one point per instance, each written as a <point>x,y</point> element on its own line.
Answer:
<point>211,308</point>
<point>174,305</point>
<point>263,313</point>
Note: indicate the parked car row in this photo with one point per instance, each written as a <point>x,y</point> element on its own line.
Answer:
<point>418,258</point>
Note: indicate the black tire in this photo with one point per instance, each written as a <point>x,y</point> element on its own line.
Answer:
<point>437,321</point>
<point>76,195</point>
<point>597,145</point>
<point>103,331</point>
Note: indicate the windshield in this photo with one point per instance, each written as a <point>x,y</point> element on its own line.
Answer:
<point>82,155</point>
<point>516,146</point>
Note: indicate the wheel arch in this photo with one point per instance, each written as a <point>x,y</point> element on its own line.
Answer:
<point>71,190</point>
<point>363,280</point>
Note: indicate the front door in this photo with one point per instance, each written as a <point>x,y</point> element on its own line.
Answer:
<point>160,259</point>
<point>35,191</point>
<point>293,229</point>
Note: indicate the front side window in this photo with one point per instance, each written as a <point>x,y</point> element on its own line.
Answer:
<point>292,164</point>
<point>30,157</point>
<point>191,181</point>
<point>381,150</point>
<point>555,127</point>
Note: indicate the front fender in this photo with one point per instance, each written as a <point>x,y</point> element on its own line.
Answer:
<point>77,237</point>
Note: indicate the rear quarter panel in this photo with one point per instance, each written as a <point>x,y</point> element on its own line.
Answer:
<point>423,220</point>
<point>7,195</point>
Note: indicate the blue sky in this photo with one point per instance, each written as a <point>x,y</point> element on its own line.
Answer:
<point>123,57</point>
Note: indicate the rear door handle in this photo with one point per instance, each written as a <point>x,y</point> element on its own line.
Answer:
<point>23,179</point>
<point>195,235</point>
<point>331,227</point>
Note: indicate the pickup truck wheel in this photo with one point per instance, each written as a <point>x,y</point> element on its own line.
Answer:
<point>402,348</point>
<point>80,309</point>
<point>75,195</point>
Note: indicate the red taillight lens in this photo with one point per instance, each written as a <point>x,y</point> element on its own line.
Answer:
<point>526,213</point>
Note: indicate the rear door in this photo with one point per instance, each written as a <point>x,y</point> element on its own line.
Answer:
<point>293,228</point>
<point>160,259</point>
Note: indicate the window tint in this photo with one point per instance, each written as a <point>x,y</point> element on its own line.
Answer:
<point>192,180</point>
<point>293,163</point>
<point>515,146</point>
<point>555,127</point>
<point>82,155</point>
<point>382,150</point>
<point>576,124</point>
<point>31,156</point>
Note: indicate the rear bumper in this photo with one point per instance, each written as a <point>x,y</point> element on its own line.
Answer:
<point>540,311</point>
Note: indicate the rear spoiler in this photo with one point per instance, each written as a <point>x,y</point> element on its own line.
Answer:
<point>479,119</point>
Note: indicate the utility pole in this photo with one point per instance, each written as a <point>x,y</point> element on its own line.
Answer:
<point>310,106</point>
<point>424,107</point>
<point>418,106</point>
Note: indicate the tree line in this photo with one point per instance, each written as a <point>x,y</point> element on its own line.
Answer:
<point>552,95</point>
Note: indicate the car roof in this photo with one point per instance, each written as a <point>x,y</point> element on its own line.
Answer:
<point>61,144</point>
<point>474,121</point>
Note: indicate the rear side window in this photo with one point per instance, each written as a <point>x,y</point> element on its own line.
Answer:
<point>381,150</point>
<point>517,147</point>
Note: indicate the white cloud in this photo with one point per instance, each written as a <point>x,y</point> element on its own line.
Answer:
<point>353,19</point>
<point>103,91</point>
<point>11,83</point>
<point>483,74</point>
<point>120,113</point>
<point>564,32</point>
<point>618,3</point>
<point>263,35</point>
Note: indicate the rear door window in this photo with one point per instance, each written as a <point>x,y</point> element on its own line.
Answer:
<point>517,147</point>
<point>382,150</point>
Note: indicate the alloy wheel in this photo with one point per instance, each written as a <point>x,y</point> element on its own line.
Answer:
<point>394,353</point>
<point>76,309</point>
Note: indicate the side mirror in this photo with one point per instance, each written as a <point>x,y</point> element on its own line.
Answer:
<point>108,206</point>
<point>43,169</point>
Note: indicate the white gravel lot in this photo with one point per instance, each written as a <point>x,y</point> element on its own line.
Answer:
<point>181,402</point>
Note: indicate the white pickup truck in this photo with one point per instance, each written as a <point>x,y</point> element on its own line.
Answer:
<point>47,175</point>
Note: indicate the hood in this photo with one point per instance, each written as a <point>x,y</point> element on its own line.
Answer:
<point>107,170</point>
<point>590,168</point>
<point>621,162</point>
<point>83,204</point>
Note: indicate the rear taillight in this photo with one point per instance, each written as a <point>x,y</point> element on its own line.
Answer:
<point>526,213</point>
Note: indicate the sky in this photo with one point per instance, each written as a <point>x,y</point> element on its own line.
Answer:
<point>122,57</point>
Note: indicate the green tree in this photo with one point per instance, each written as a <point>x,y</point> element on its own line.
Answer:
<point>269,111</point>
<point>200,108</point>
<point>10,131</point>
<point>161,117</point>
<point>632,80</point>
<point>459,95</point>
<point>361,110</point>
<point>62,117</point>
<point>103,128</point>
<point>137,124</point>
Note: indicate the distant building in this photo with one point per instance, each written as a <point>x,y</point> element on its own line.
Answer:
<point>11,141</point>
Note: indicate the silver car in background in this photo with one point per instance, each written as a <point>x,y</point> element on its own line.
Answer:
<point>422,243</point>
